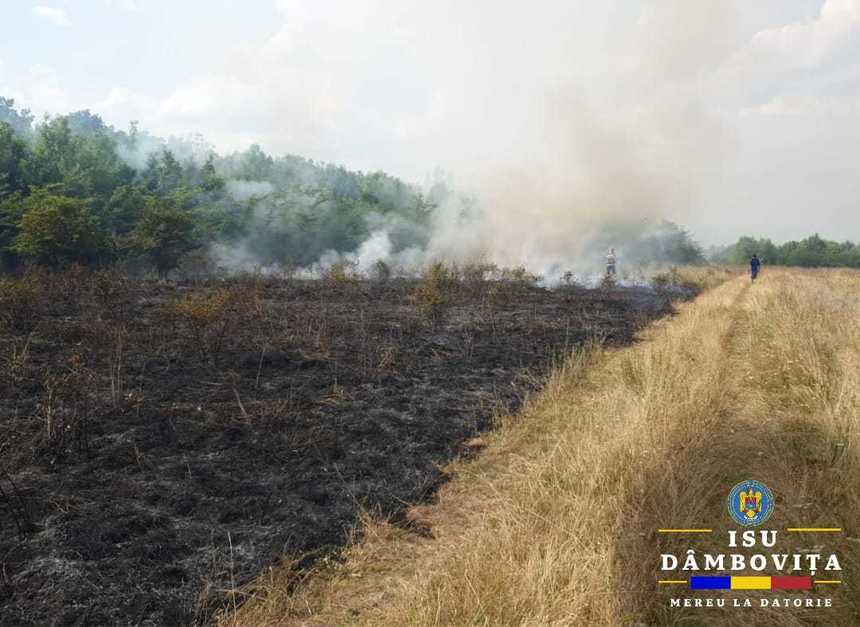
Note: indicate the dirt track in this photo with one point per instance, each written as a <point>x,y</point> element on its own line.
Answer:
<point>209,466</point>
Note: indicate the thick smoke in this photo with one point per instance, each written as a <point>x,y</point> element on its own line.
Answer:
<point>559,142</point>
<point>561,160</point>
<point>602,160</point>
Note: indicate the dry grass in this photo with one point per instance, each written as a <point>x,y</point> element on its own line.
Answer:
<point>555,523</point>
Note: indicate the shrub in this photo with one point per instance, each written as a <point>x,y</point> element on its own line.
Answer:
<point>163,235</point>
<point>16,367</point>
<point>607,281</point>
<point>66,408</point>
<point>112,294</point>
<point>520,276</point>
<point>214,316</point>
<point>341,273</point>
<point>22,303</point>
<point>432,295</point>
<point>474,274</point>
<point>57,230</point>
<point>673,278</point>
<point>196,265</point>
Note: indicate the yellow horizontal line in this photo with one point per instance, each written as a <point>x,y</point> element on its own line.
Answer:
<point>685,530</point>
<point>827,581</point>
<point>672,581</point>
<point>750,583</point>
<point>814,529</point>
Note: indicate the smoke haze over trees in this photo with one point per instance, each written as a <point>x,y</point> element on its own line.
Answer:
<point>75,190</point>
<point>114,192</point>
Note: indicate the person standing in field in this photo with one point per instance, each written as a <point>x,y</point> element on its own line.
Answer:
<point>611,260</point>
<point>754,266</point>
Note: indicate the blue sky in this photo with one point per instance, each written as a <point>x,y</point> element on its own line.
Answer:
<point>145,45</point>
<point>729,117</point>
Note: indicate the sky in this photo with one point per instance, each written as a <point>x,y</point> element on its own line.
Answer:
<point>729,118</point>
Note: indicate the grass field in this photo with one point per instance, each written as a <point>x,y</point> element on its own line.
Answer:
<point>556,521</point>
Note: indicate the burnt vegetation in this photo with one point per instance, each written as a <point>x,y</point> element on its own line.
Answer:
<point>162,443</point>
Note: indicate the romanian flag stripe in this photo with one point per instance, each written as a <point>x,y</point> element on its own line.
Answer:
<point>791,583</point>
<point>750,583</point>
<point>710,583</point>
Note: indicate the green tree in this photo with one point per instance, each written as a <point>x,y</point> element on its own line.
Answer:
<point>98,169</point>
<point>124,209</point>
<point>255,165</point>
<point>163,174</point>
<point>54,152</point>
<point>814,251</point>
<point>151,174</point>
<point>163,234</point>
<point>20,121</point>
<point>211,182</point>
<point>12,209</point>
<point>57,230</point>
<point>13,154</point>
<point>171,173</point>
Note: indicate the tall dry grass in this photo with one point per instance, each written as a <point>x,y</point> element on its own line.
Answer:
<point>557,523</point>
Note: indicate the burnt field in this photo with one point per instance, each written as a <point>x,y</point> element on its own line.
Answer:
<point>161,443</point>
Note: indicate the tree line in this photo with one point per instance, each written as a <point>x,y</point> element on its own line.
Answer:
<point>76,190</point>
<point>812,252</point>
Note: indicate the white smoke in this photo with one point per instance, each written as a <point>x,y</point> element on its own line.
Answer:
<point>554,156</point>
<point>245,190</point>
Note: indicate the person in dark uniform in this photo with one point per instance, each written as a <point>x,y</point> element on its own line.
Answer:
<point>755,264</point>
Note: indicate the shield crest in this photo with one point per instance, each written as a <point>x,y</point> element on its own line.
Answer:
<point>749,503</point>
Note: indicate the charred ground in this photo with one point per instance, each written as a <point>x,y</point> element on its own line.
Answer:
<point>161,443</point>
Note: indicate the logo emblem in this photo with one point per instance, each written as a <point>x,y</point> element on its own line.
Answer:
<point>750,503</point>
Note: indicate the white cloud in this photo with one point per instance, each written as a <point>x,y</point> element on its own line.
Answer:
<point>39,88</point>
<point>807,43</point>
<point>55,15</point>
<point>121,105</point>
<point>125,5</point>
<point>822,107</point>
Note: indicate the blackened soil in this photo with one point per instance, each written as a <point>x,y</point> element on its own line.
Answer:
<point>148,465</point>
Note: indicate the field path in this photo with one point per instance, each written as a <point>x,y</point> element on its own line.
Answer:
<point>556,521</point>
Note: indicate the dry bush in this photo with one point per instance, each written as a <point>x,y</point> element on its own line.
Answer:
<point>519,275</point>
<point>113,294</point>
<point>69,288</point>
<point>609,281</point>
<point>214,316</point>
<point>668,279</point>
<point>18,363</point>
<point>692,278</point>
<point>479,279</point>
<point>196,266</point>
<point>341,273</point>
<point>41,292</point>
<point>570,280</point>
<point>433,295</point>
<point>474,274</point>
<point>22,302</point>
<point>66,409</point>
